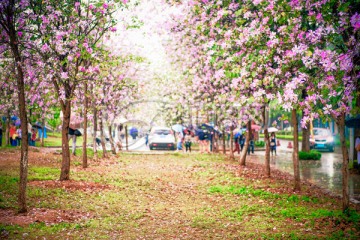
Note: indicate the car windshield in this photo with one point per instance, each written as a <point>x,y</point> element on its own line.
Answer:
<point>162,132</point>
<point>321,132</point>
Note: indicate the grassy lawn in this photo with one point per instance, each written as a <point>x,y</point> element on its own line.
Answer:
<point>169,196</point>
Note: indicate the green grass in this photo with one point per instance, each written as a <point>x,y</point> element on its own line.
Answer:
<point>43,173</point>
<point>289,205</point>
<point>8,190</point>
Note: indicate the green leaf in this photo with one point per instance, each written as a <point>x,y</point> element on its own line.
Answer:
<point>344,7</point>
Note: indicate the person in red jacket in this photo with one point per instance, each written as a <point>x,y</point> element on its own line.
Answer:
<point>12,135</point>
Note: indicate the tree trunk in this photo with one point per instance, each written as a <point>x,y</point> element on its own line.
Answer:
<point>102,136</point>
<point>43,133</point>
<point>24,131</point>
<point>223,141</point>
<point>84,156</point>
<point>305,144</point>
<point>65,165</point>
<point>22,110</point>
<point>126,138</point>
<point>7,131</point>
<point>243,153</point>
<point>113,149</point>
<point>95,131</point>
<point>265,115</point>
<point>345,166</point>
<point>197,116</point>
<point>232,143</point>
<point>295,154</point>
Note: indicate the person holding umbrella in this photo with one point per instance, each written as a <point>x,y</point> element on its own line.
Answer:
<point>251,143</point>
<point>134,132</point>
<point>74,131</point>
<point>273,143</point>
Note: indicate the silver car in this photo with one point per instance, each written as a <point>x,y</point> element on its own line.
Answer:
<point>322,138</point>
<point>161,138</point>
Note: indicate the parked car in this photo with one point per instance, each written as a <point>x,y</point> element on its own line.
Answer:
<point>322,138</point>
<point>161,138</point>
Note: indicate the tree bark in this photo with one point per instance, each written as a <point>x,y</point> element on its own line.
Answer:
<point>65,165</point>
<point>7,131</point>
<point>265,115</point>
<point>24,131</point>
<point>345,166</point>
<point>113,149</point>
<point>22,106</point>
<point>223,142</point>
<point>84,156</point>
<point>95,131</point>
<point>243,153</point>
<point>43,133</point>
<point>232,143</point>
<point>295,154</point>
<point>305,144</point>
<point>126,138</point>
<point>102,136</point>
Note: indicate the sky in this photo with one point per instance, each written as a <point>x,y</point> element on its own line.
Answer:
<point>156,73</point>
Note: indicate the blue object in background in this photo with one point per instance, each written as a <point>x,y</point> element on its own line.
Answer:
<point>40,131</point>
<point>17,122</point>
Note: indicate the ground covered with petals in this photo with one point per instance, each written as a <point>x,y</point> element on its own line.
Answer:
<point>165,196</point>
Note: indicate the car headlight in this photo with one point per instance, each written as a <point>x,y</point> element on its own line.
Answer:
<point>329,139</point>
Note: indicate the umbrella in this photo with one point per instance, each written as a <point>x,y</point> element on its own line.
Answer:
<point>133,131</point>
<point>255,127</point>
<point>74,122</point>
<point>37,125</point>
<point>272,129</point>
<point>177,128</point>
<point>353,122</point>
<point>120,120</point>
<point>209,128</point>
<point>17,122</point>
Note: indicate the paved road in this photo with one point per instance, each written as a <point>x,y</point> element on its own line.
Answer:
<point>325,173</point>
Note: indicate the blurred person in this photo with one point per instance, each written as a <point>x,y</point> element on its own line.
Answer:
<point>273,144</point>
<point>72,136</point>
<point>29,127</point>
<point>236,141</point>
<point>251,144</point>
<point>33,137</point>
<point>19,136</point>
<point>179,141</point>
<point>12,135</point>
<point>188,142</point>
